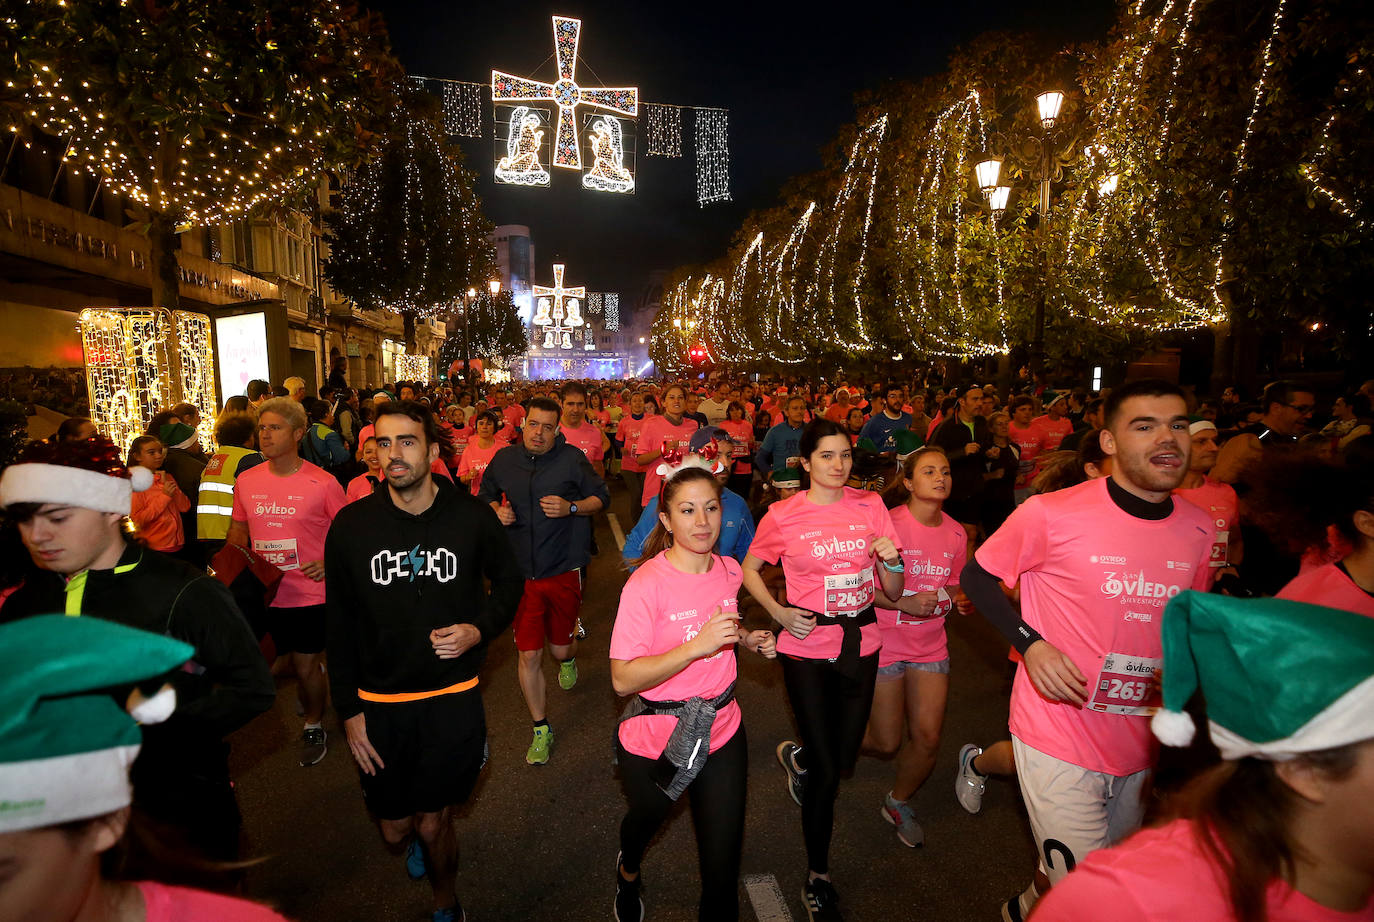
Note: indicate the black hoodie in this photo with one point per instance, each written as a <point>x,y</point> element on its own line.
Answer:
<point>392,577</point>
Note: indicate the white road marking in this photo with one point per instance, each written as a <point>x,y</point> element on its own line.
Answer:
<point>617,531</point>
<point>766,896</point>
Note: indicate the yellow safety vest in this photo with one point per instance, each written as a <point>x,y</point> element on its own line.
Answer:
<point>215,501</point>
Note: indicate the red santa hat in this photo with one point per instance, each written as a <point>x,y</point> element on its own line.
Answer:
<point>89,473</point>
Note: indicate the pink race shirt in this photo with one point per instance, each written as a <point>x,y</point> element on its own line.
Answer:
<point>1219,501</point>
<point>827,560</point>
<point>287,519</point>
<point>476,458</point>
<point>1052,431</point>
<point>656,431</point>
<point>1331,586</point>
<point>629,432</point>
<point>1027,441</point>
<point>933,558</point>
<point>586,437</point>
<point>1094,581</point>
<point>661,608</point>
<point>514,415</point>
<point>743,435</point>
<point>359,487</point>
<point>165,903</point>
<point>1163,874</point>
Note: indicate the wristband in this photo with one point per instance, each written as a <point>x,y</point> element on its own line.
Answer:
<point>893,567</point>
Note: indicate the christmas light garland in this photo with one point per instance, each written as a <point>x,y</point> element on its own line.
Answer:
<point>713,155</point>
<point>664,134</point>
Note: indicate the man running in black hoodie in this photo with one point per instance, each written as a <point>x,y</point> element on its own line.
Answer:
<point>410,621</point>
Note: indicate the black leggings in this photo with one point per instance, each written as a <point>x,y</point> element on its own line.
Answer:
<point>832,714</point>
<point>717,799</point>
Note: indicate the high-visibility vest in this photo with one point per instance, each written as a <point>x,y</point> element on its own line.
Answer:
<point>215,501</point>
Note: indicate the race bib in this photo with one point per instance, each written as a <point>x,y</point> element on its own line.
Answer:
<point>739,451</point>
<point>1126,685</point>
<point>848,594</point>
<point>1219,548</point>
<point>280,553</point>
<point>943,603</point>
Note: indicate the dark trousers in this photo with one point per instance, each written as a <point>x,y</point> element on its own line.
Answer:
<point>832,713</point>
<point>717,801</point>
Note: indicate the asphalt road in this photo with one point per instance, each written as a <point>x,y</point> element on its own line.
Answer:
<point>539,843</point>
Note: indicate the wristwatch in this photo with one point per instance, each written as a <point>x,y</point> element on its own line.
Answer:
<point>572,508</point>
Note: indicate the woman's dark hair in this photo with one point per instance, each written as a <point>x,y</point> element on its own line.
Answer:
<point>1090,450</point>
<point>1296,496</point>
<point>948,404</point>
<point>137,444</point>
<point>1241,812</point>
<point>733,406</point>
<point>1059,470</point>
<point>763,418</point>
<point>490,416</point>
<point>896,493</point>
<point>236,403</point>
<point>651,400</point>
<point>819,428</point>
<point>234,430</point>
<point>659,538</point>
<point>315,409</point>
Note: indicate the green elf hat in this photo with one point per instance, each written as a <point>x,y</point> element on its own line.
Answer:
<point>907,442</point>
<point>1280,678</point>
<point>65,744</point>
<point>788,478</point>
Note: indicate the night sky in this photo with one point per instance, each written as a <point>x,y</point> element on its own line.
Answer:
<point>788,74</point>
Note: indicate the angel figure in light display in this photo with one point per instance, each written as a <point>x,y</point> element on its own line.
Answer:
<point>521,163</point>
<point>541,316</point>
<point>608,173</point>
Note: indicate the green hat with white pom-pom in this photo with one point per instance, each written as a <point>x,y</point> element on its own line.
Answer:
<point>1279,678</point>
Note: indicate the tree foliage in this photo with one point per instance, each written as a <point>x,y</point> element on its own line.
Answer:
<point>494,332</point>
<point>198,111</point>
<point>407,233</point>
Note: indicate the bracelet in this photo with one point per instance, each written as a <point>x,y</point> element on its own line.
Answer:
<point>893,567</point>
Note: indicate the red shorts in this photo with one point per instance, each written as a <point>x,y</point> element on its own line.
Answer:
<point>548,609</point>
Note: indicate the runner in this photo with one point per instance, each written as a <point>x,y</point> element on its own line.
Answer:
<point>65,751</point>
<point>965,438</point>
<point>781,446</point>
<point>678,617</point>
<point>671,429</point>
<point>282,512</point>
<point>542,490</point>
<point>409,623</point>
<point>579,433</point>
<point>1098,562</point>
<point>882,427</point>
<point>831,541</point>
<point>1028,440</point>
<point>628,436</point>
<point>913,666</point>
<point>1054,425</point>
<point>481,448</point>
<point>741,449</point>
<point>1283,828</point>
<point>716,407</point>
<point>1213,497</point>
<point>364,483</point>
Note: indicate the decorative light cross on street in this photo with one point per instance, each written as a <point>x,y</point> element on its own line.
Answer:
<point>565,93</point>
<point>559,310</point>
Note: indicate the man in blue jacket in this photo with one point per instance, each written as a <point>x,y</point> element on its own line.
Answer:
<point>780,449</point>
<point>544,490</point>
<point>736,523</point>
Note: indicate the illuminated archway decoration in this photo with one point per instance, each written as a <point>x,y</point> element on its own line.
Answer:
<point>566,94</point>
<point>559,310</point>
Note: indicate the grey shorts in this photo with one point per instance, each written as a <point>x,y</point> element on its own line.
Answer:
<point>895,670</point>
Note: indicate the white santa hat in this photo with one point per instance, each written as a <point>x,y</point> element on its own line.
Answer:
<point>88,474</point>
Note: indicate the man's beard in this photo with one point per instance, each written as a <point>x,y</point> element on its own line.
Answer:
<point>410,478</point>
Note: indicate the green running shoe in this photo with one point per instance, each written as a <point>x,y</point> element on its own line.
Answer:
<point>567,674</point>
<point>538,753</point>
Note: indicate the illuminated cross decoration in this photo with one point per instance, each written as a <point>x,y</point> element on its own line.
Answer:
<point>565,94</point>
<point>559,310</point>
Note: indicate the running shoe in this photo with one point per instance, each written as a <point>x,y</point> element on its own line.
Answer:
<point>567,674</point>
<point>314,745</point>
<point>899,814</point>
<point>969,784</point>
<point>629,904</point>
<point>796,777</point>
<point>453,913</point>
<point>820,900</point>
<point>416,867</point>
<point>538,753</point>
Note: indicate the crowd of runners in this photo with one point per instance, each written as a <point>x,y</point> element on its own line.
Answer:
<point>1154,560</point>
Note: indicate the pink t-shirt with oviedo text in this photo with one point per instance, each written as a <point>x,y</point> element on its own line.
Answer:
<point>1094,581</point>
<point>1027,441</point>
<point>743,435</point>
<point>476,458</point>
<point>1219,501</point>
<point>1052,431</point>
<point>661,608</point>
<point>1163,874</point>
<point>586,437</point>
<point>288,519</point>
<point>933,557</point>
<point>828,563</point>
<point>629,434</point>
<point>165,903</point>
<point>1331,586</point>
<point>657,430</point>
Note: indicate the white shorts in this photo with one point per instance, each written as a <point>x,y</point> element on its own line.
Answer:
<point>1074,811</point>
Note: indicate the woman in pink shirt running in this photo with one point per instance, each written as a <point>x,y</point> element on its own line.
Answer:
<point>481,448</point>
<point>838,551</point>
<point>671,649</point>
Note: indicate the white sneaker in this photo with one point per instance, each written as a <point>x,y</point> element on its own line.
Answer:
<point>969,785</point>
